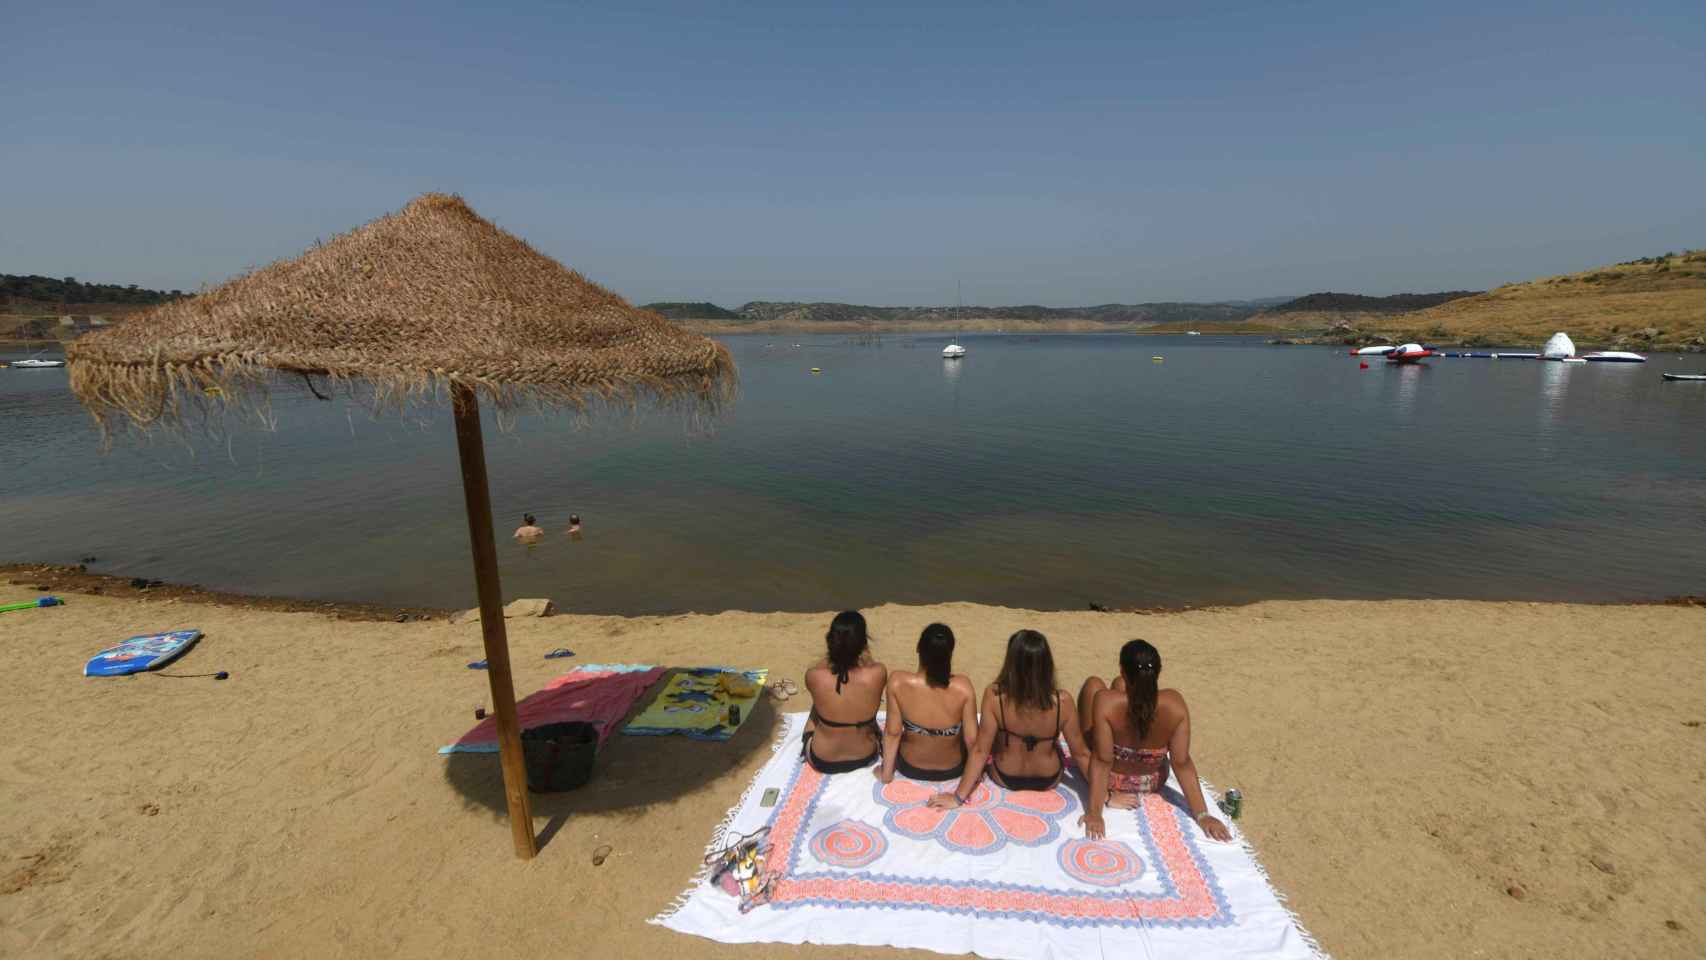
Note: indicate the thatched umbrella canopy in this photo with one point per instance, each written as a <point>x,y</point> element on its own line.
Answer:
<point>426,301</point>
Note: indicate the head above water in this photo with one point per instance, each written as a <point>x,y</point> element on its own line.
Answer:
<point>574,519</point>
<point>1027,675</point>
<point>1140,664</point>
<point>528,521</point>
<point>936,654</point>
<point>847,643</point>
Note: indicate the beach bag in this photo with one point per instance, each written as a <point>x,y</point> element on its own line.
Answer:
<point>559,756</point>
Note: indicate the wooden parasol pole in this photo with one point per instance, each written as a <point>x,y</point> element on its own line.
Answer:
<point>478,499</point>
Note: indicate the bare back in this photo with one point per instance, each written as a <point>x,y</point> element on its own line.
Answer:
<point>855,704</point>
<point>936,709</point>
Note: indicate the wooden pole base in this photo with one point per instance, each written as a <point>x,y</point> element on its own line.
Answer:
<point>472,448</point>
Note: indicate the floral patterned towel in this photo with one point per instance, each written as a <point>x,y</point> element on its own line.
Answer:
<point>1008,875</point>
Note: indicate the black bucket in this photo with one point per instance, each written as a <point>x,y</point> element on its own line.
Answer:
<point>559,756</point>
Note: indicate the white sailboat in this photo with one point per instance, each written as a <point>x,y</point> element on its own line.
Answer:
<point>953,351</point>
<point>35,362</point>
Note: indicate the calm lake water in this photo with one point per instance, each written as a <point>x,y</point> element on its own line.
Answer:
<point>1039,471</point>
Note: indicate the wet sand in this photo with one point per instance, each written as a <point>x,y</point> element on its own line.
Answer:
<point>1407,767</point>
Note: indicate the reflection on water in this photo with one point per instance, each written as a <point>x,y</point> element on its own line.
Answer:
<point>1063,470</point>
<point>1554,383</point>
<point>1410,376</point>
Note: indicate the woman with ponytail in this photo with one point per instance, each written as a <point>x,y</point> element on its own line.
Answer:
<point>932,719</point>
<point>1137,728</point>
<point>847,690</point>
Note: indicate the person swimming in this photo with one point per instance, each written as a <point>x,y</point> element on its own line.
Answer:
<point>936,696</point>
<point>575,525</point>
<point>529,531</point>
<point>1030,712</point>
<point>1137,729</point>
<point>847,690</point>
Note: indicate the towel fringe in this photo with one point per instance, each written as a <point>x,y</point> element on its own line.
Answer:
<point>1244,844</point>
<point>720,835</point>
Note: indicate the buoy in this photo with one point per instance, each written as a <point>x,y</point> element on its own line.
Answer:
<point>817,370</point>
<point>1363,365</point>
<point>1156,359</point>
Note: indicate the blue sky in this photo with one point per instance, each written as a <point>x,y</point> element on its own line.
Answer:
<point>1060,154</point>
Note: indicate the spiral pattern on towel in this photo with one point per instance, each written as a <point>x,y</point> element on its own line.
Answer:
<point>848,843</point>
<point>1104,863</point>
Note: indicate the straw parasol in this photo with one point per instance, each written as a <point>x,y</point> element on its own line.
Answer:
<point>428,301</point>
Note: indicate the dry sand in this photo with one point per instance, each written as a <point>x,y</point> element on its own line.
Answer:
<point>1405,764</point>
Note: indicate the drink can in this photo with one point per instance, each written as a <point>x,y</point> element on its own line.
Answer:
<point>1232,804</point>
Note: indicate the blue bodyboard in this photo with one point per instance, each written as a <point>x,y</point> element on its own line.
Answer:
<point>149,652</point>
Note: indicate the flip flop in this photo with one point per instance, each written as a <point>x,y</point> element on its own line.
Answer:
<point>559,653</point>
<point>477,665</point>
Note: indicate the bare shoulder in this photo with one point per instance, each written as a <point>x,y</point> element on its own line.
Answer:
<point>962,683</point>
<point>1108,703</point>
<point>1170,699</point>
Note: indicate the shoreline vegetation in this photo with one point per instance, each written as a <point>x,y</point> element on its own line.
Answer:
<point>1655,303</point>
<point>275,810</point>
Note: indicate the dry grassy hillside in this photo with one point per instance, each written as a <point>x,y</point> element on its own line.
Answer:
<point>1654,302</point>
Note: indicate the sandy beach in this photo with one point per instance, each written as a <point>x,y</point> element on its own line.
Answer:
<point>1422,779</point>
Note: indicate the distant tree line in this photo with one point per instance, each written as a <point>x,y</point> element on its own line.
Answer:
<point>691,311</point>
<point>1397,303</point>
<point>71,290</point>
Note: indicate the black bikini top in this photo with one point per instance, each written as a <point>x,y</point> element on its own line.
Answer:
<point>1029,740</point>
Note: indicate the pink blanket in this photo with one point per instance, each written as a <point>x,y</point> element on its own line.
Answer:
<point>596,695</point>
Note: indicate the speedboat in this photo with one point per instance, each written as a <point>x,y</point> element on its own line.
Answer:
<point>34,364</point>
<point>953,351</point>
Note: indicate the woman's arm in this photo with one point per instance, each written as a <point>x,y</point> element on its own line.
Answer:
<point>1103,760</point>
<point>1074,734</point>
<point>968,721</point>
<point>1179,751</point>
<point>975,762</point>
<point>892,731</point>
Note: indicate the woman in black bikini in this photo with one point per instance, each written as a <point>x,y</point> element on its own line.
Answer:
<point>1029,713</point>
<point>932,716</point>
<point>847,690</point>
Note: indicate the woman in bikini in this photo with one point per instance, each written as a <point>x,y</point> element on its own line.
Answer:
<point>932,714</point>
<point>1024,716</point>
<point>1137,729</point>
<point>847,690</point>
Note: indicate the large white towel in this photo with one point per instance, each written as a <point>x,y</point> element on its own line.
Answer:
<point>1010,875</point>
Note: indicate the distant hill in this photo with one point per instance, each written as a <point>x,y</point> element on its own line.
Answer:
<point>1652,303</point>
<point>21,293</point>
<point>1656,302</point>
<point>1397,303</point>
<point>797,317</point>
<point>691,311</point>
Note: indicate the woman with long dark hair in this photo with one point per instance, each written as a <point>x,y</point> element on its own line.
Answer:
<point>932,714</point>
<point>847,690</point>
<point>1024,717</point>
<point>1137,728</point>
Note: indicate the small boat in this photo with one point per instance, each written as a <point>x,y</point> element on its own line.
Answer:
<point>1372,351</point>
<point>35,364</point>
<point>1193,333</point>
<point>1571,360</point>
<point>1613,356</point>
<point>1691,377</point>
<point>953,351</point>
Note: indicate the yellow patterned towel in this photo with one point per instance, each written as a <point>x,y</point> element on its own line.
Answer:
<point>697,702</point>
